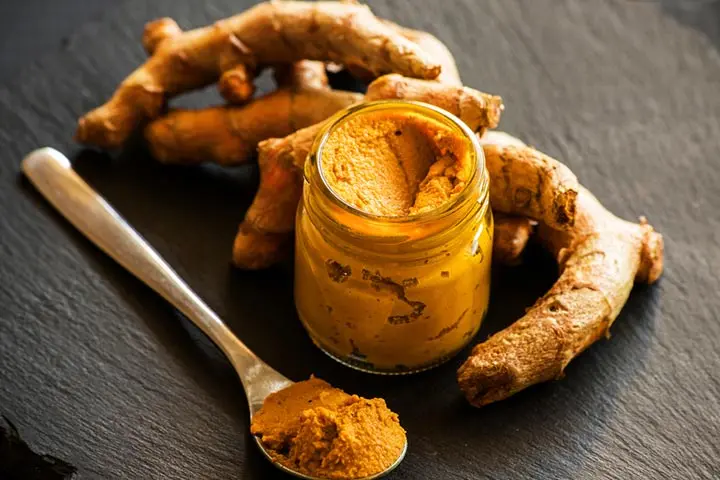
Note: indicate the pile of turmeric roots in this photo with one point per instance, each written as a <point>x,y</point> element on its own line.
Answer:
<point>600,256</point>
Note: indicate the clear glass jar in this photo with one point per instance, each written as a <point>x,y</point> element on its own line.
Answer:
<point>393,294</point>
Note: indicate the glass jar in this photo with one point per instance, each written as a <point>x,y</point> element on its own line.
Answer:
<point>393,294</point>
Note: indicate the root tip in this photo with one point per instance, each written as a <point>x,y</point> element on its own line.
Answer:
<point>484,383</point>
<point>651,257</point>
<point>255,250</point>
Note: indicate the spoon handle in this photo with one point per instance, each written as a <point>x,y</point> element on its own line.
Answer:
<point>51,173</point>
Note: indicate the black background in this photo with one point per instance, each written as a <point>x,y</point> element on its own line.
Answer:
<point>95,369</point>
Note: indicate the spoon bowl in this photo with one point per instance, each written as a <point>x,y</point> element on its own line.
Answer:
<point>51,173</point>
<point>310,477</point>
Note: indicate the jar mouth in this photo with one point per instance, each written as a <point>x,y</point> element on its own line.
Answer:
<point>440,212</point>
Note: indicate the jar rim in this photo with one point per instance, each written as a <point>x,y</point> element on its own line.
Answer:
<point>447,208</point>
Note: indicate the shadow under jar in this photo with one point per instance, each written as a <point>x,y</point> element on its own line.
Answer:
<point>393,294</point>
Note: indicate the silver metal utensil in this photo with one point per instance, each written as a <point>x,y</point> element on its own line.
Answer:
<point>51,173</point>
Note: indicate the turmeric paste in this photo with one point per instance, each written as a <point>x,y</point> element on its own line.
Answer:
<point>316,429</point>
<point>395,164</point>
<point>394,238</point>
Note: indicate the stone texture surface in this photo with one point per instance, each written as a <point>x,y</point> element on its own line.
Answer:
<point>97,370</point>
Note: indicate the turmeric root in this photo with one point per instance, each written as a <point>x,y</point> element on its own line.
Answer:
<point>500,139</point>
<point>526,182</point>
<point>600,257</point>
<point>449,74</point>
<point>479,110</point>
<point>270,33</point>
<point>157,32</point>
<point>229,135</point>
<point>511,235</point>
<point>305,74</point>
<point>235,85</point>
<point>272,213</point>
<point>267,229</point>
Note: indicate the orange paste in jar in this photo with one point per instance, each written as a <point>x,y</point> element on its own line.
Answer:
<point>395,164</point>
<point>396,279</point>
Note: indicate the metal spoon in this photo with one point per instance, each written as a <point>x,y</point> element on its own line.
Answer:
<point>51,173</point>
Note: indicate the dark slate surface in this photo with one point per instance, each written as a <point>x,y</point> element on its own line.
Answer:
<point>30,28</point>
<point>97,370</point>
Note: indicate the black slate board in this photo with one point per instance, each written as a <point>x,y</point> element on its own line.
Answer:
<point>97,370</point>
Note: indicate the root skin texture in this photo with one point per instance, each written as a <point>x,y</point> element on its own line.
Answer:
<point>157,32</point>
<point>600,258</point>
<point>527,182</point>
<point>449,74</point>
<point>479,110</point>
<point>305,74</point>
<point>268,34</point>
<point>510,238</point>
<point>236,84</point>
<point>230,135</point>
<point>272,213</point>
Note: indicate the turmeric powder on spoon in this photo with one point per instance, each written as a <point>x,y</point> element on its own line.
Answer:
<point>316,429</point>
